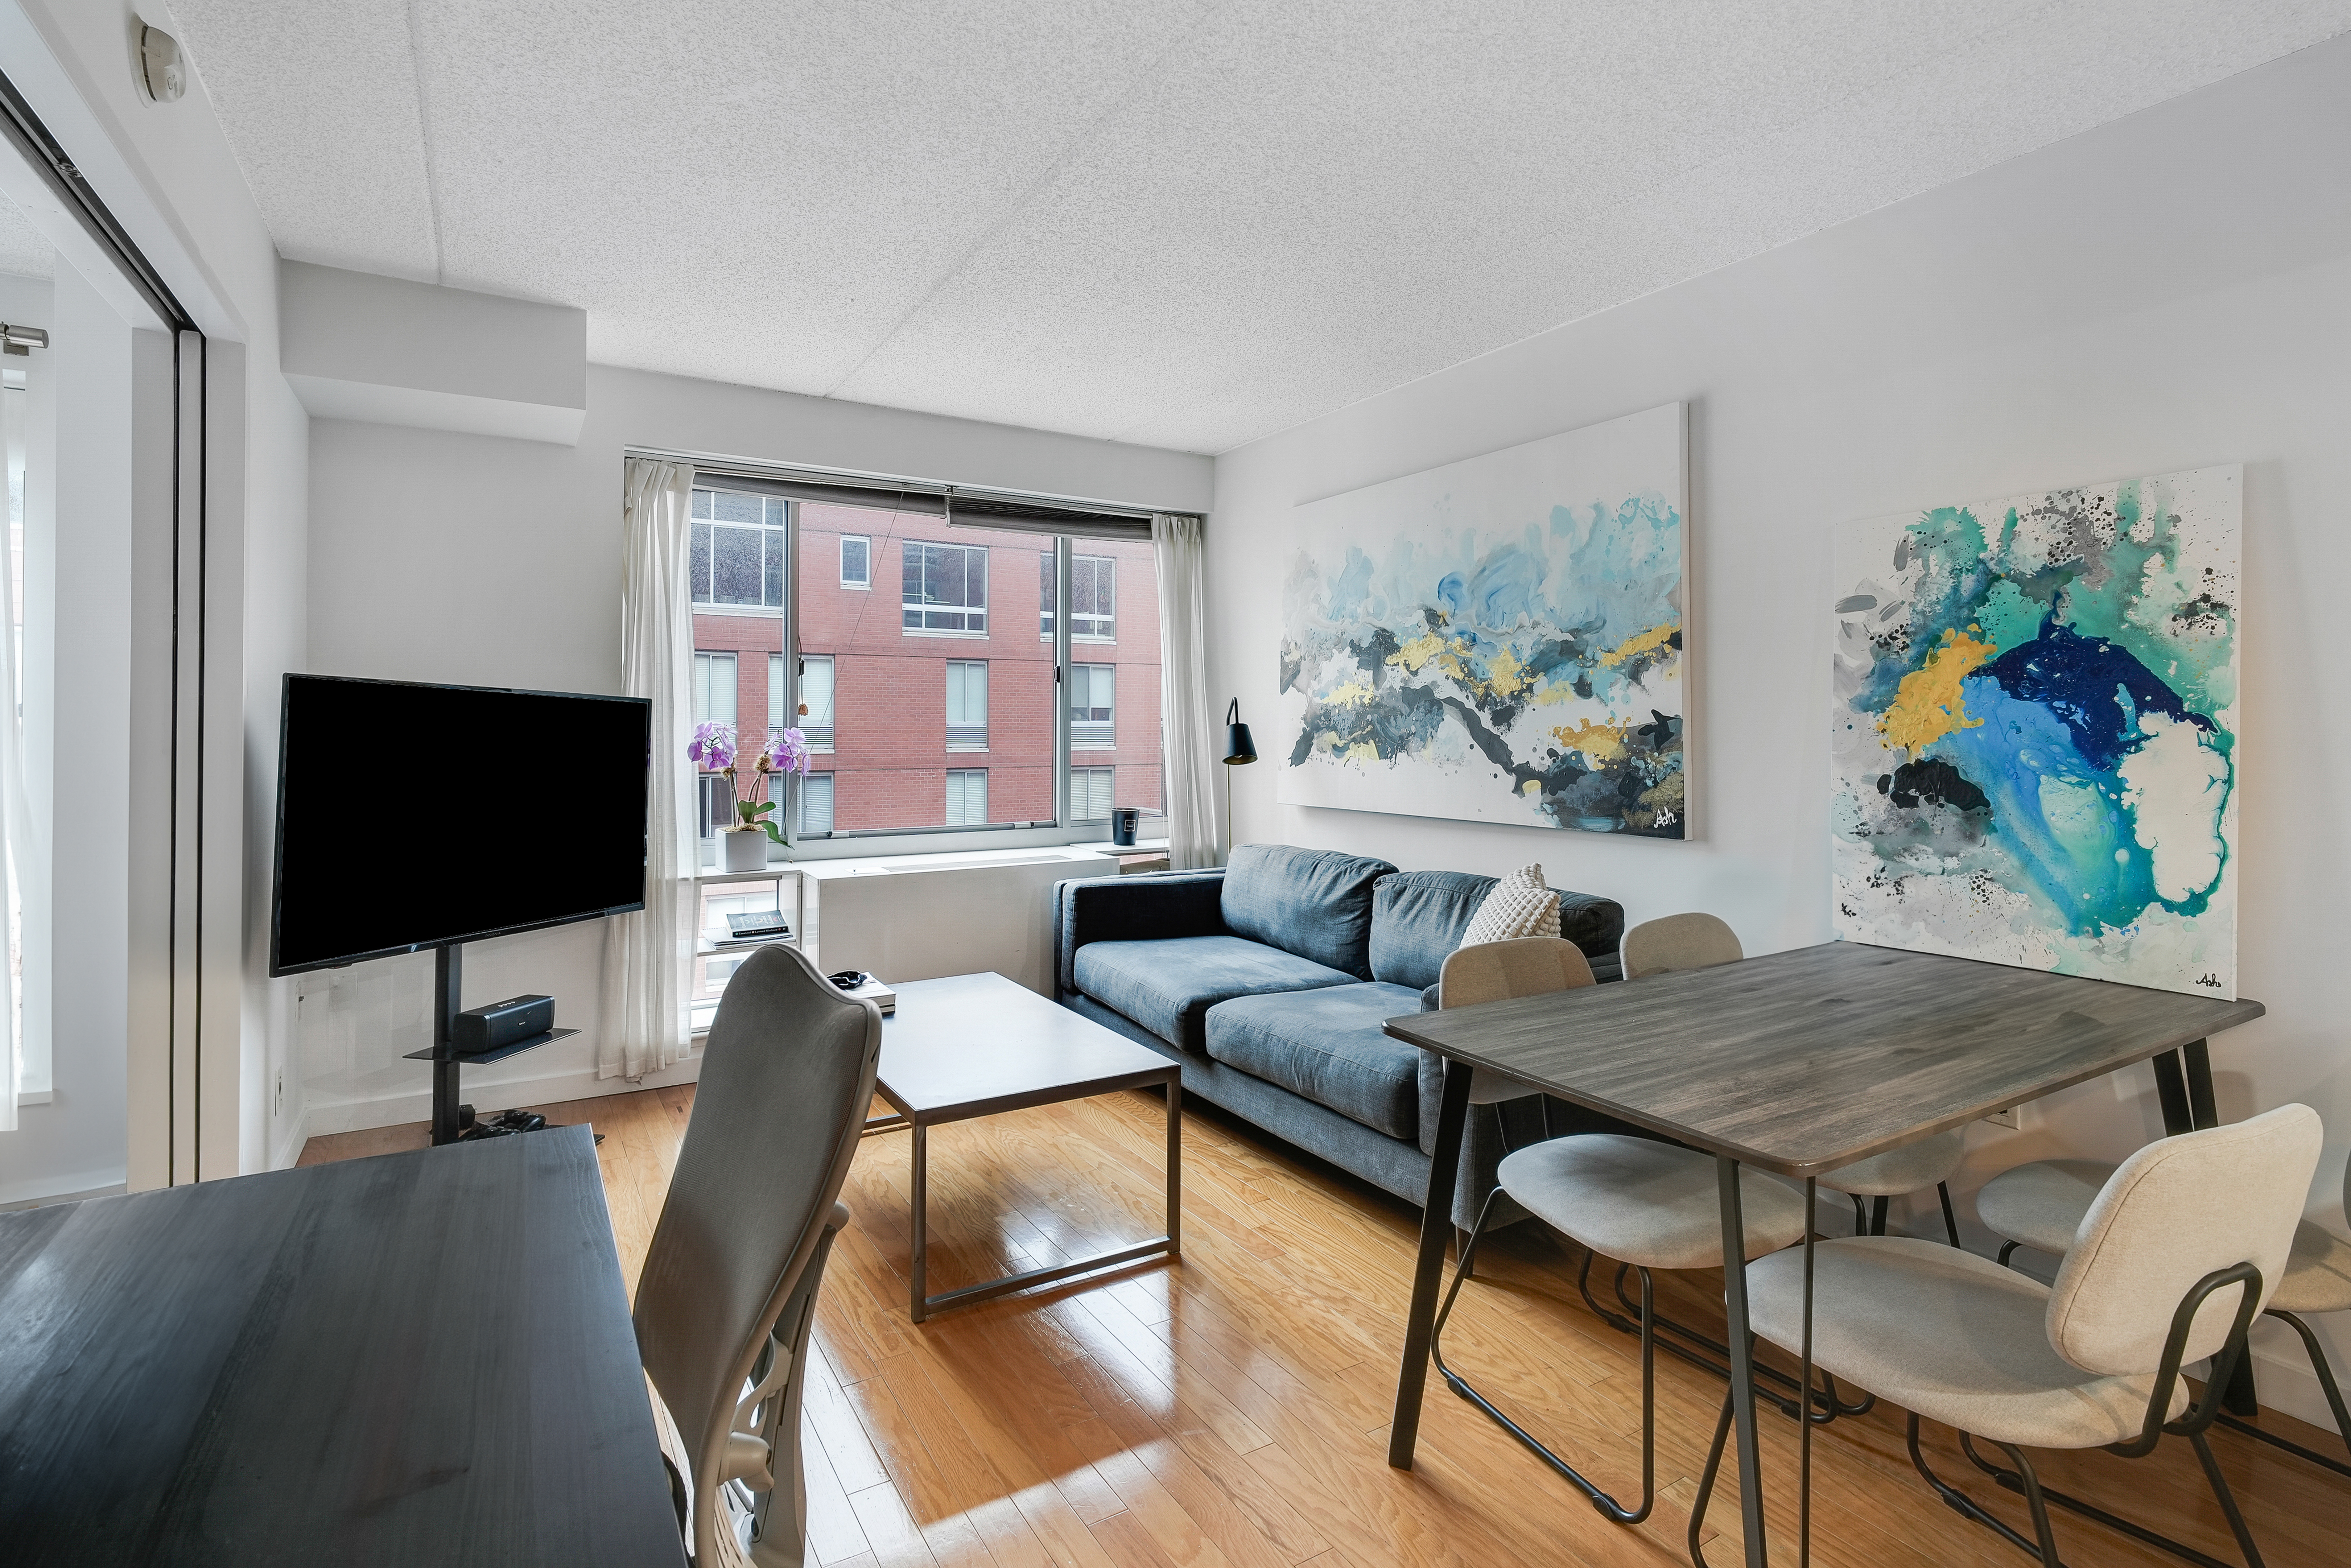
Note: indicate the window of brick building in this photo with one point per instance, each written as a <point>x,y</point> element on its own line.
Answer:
<point>1093,699</point>
<point>966,704</point>
<point>966,797</point>
<point>815,720</point>
<point>1091,793</point>
<point>739,549</point>
<point>790,637</point>
<point>715,687</point>
<point>1093,599</point>
<point>946,588</point>
<point>816,803</point>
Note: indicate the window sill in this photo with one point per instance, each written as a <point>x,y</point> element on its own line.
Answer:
<point>919,632</point>
<point>33,1097</point>
<point>965,747</point>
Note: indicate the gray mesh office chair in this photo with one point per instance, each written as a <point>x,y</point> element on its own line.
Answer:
<point>728,1293</point>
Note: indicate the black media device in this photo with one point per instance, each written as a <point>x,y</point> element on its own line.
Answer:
<point>500,1024</point>
<point>399,809</point>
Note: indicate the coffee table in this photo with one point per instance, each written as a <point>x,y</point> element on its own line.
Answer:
<point>973,1045</point>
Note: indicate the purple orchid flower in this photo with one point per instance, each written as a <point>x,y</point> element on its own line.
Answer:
<point>713,745</point>
<point>788,751</point>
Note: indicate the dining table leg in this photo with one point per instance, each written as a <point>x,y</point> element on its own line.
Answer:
<point>1740,1341</point>
<point>2183,1085</point>
<point>1428,1270</point>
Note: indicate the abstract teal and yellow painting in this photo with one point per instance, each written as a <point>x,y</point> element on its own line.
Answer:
<point>1500,639</point>
<point>2034,736</point>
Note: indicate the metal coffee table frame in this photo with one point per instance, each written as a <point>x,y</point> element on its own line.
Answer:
<point>921,1304</point>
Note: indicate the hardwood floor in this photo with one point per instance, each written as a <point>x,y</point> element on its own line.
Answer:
<point>1232,1409</point>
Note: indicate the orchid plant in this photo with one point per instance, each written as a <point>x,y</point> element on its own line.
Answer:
<point>715,748</point>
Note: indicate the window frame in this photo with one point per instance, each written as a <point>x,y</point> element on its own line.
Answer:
<point>856,584</point>
<point>966,735</point>
<point>925,608</point>
<point>1095,734</point>
<point>946,839</point>
<point>1048,615</point>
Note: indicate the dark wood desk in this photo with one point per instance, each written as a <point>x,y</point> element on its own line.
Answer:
<point>421,1357</point>
<point>975,1045</point>
<point>1797,1063</point>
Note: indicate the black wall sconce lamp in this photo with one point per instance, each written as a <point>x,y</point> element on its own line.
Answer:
<point>1238,746</point>
<point>1239,749</point>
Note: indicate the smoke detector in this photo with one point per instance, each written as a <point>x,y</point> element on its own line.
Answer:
<point>161,67</point>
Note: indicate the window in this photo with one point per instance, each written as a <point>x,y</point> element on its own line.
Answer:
<point>966,704</point>
<point>946,587</point>
<point>714,688</point>
<point>1091,790</point>
<point>1093,693</point>
<point>816,803</point>
<point>1093,599</point>
<point>816,700</point>
<point>738,550</point>
<point>713,805</point>
<point>966,797</point>
<point>963,720</point>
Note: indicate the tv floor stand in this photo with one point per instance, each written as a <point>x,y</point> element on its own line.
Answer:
<point>444,1056</point>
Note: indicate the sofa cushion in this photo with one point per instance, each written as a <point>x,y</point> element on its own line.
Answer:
<point>1316,904</point>
<point>1327,1046</point>
<point>1167,984</point>
<point>1417,919</point>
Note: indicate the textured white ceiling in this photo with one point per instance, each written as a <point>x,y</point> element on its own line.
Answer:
<point>1183,224</point>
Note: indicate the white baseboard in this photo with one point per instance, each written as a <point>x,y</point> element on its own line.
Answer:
<point>2283,1381</point>
<point>289,1148</point>
<point>32,1194</point>
<point>321,1118</point>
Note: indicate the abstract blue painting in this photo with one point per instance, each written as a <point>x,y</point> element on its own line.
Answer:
<point>1498,639</point>
<point>2033,731</point>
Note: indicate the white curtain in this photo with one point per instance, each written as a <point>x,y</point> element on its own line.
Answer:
<point>648,957</point>
<point>21,892</point>
<point>1193,750</point>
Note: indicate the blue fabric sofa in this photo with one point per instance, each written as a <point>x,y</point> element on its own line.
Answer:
<point>1268,981</point>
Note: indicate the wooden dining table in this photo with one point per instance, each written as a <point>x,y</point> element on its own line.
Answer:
<point>1797,1063</point>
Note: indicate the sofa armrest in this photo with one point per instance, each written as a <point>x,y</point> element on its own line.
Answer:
<point>1133,909</point>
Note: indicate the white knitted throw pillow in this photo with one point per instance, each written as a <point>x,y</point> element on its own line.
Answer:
<point>1520,905</point>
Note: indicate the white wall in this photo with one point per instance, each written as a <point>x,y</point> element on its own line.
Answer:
<point>168,174</point>
<point>2170,291</point>
<point>441,557</point>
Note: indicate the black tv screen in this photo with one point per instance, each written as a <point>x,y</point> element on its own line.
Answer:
<point>412,815</point>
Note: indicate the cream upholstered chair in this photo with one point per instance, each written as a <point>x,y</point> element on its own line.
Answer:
<point>1692,941</point>
<point>729,1292</point>
<point>1700,941</point>
<point>2041,1205</point>
<point>1650,1205</point>
<point>2177,1253</point>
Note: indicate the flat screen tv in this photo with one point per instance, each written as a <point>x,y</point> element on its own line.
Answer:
<point>402,808</point>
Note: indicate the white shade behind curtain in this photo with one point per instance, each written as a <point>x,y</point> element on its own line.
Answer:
<point>1188,713</point>
<point>20,897</point>
<point>648,957</point>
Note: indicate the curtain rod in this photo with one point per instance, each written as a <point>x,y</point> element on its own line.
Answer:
<point>753,468</point>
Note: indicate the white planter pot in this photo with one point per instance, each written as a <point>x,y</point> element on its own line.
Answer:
<point>744,851</point>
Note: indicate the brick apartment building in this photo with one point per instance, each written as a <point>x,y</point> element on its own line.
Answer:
<point>928,663</point>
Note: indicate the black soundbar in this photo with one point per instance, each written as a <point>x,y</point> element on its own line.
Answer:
<point>485,1029</point>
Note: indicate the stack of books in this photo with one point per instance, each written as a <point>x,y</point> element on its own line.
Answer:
<point>756,929</point>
